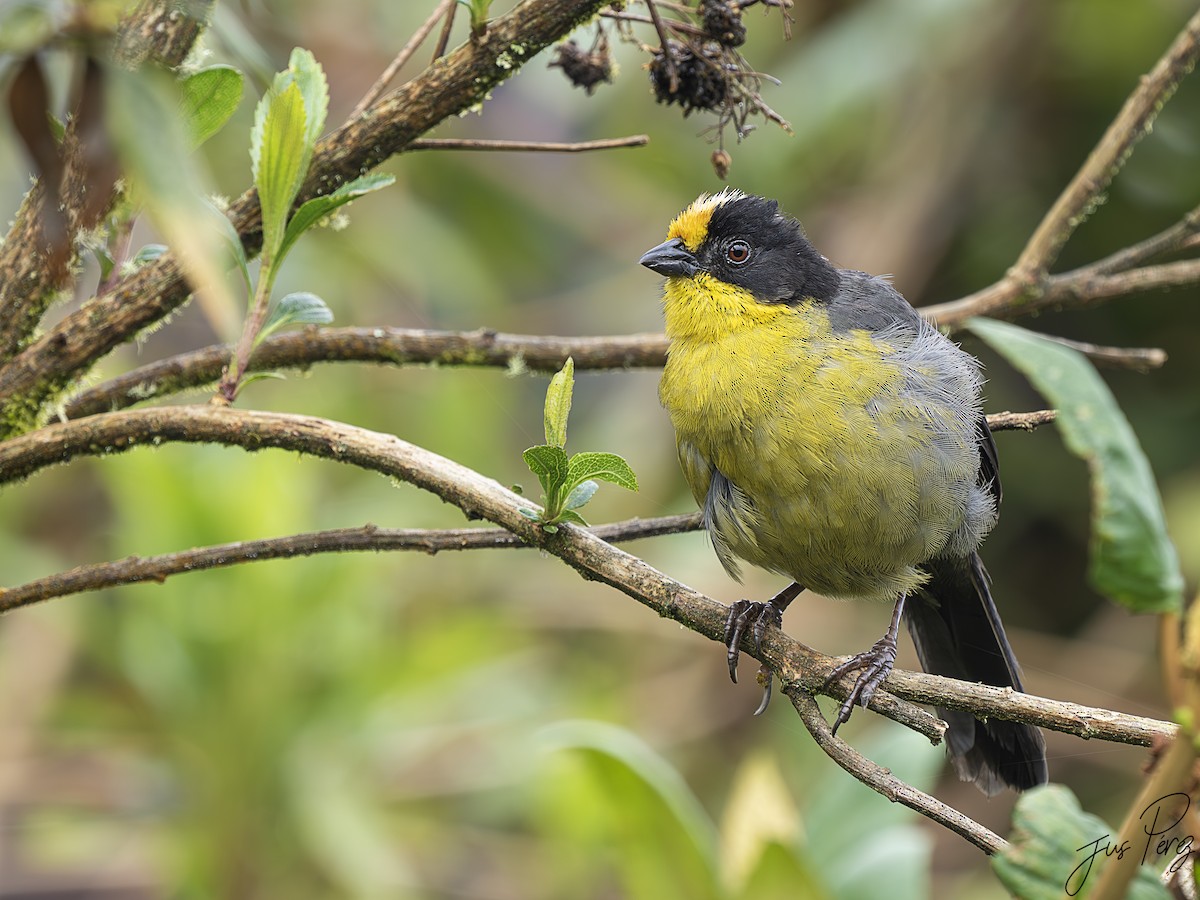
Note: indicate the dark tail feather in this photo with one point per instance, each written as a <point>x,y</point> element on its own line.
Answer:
<point>957,633</point>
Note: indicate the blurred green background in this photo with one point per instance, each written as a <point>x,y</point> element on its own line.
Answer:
<point>488,725</point>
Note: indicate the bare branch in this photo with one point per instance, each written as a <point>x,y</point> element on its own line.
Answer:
<point>395,346</point>
<point>443,9</point>
<point>636,140</point>
<point>1027,286</point>
<point>1139,359</point>
<point>882,781</point>
<point>135,569</point>
<point>1026,421</point>
<point>1102,165</point>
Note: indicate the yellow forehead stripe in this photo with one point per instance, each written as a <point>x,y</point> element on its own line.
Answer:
<point>691,225</point>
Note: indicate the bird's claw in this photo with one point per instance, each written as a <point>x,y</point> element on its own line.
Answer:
<point>874,666</point>
<point>755,615</point>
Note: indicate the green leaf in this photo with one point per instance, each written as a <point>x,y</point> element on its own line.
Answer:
<point>279,160</point>
<point>660,839</point>
<point>1058,849</point>
<point>25,28</point>
<point>305,72</point>
<point>569,515</point>
<point>581,494</point>
<point>209,97</point>
<point>142,110</point>
<point>549,464</point>
<point>300,308</point>
<point>605,466</point>
<point>1132,559</point>
<point>148,254</point>
<point>316,209</point>
<point>558,404</point>
<point>105,260</point>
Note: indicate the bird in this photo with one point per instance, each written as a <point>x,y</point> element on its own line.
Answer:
<point>831,435</point>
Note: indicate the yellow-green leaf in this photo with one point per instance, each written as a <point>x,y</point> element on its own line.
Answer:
<point>558,404</point>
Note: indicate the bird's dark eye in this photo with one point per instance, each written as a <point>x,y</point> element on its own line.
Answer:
<point>738,252</point>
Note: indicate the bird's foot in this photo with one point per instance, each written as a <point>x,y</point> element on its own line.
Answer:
<point>755,616</point>
<point>873,666</point>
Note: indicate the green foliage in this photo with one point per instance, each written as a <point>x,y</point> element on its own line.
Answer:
<point>479,14</point>
<point>568,482</point>
<point>1132,559</point>
<point>315,210</point>
<point>1052,840</point>
<point>299,308</point>
<point>209,97</point>
<point>155,150</point>
<point>25,27</point>
<point>287,122</point>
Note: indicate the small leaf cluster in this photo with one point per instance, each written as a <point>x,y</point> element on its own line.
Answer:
<point>568,482</point>
<point>287,123</point>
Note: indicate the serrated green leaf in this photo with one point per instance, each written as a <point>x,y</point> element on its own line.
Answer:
<point>1132,560</point>
<point>549,464</point>
<point>313,211</point>
<point>279,160</point>
<point>300,308</point>
<point>306,73</point>
<point>558,404</point>
<point>1051,854</point>
<point>581,494</point>
<point>605,466</point>
<point>209,97</point>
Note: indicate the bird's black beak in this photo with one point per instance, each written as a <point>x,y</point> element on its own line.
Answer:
<point>671,258</point>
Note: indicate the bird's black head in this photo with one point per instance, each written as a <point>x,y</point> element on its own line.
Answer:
<point>745,241</point>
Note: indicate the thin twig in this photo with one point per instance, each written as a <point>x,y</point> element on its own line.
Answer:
<point>1102,165</point>
<point>1139,359</point>
<point>882,781</point>
<point>1026,285</point>
<point>402,57</point>
<point>674,25</point>
<point>135,569</point>
<point>1022,421</point>
<point>668,59</point>
<point>635,140</point>
<point>443,41</point>
<point>395,346</point>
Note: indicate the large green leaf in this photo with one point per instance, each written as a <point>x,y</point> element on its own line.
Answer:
<point>1132,559</point>
<point>605,466</point>
<point>663,843</point>
<point>1058,850</point>
<point>210,96</point>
